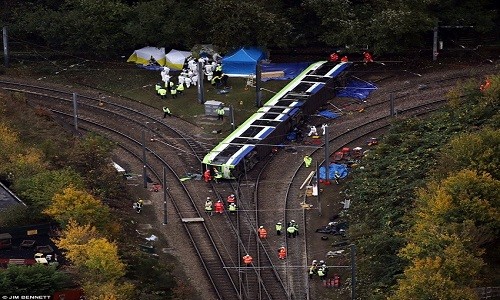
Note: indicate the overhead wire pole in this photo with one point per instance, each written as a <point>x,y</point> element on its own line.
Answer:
<point>435,43</point>
<point>391,101</point>
<point>144,175</point>
<point>75,110</point>
<point>231,111</point>
<point>317,186</point>
<point>258,92</point>
<point>5,46</point>
<point>327,158</point>
<point>164,197</point>
<point>435,31</point>
<point>201,88</point>
<point>353,272</point>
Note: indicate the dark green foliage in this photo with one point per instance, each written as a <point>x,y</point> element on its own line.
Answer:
<point>31,280</point>
<point>156,278</point>
<point>91,158</point>
<point>108,28</point>
<point>20,215</point>
<point>408,157</point>
<point>39,189</point>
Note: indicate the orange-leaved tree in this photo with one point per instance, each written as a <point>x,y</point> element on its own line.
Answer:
<point>79,206</point>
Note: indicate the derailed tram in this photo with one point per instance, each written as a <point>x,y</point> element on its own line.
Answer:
<point>254,139</point>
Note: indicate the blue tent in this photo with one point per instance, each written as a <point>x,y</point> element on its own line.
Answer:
<point>242,62</point>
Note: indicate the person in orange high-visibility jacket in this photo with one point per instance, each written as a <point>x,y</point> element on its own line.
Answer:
<point>207,176</point>
<point>486,85</point>
<point>262,232</point>
<point>247,259</point>
<point>231,199</point>
<point>334,57</point>
<point>282,253</point>
<point>367,57</point>
<point>344,59</point>
<point>219,207</point>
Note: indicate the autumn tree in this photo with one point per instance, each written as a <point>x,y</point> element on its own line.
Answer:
<point>95,257</point>
<point>78,205</point>
<point>18,161</point>
<point>478,151</point>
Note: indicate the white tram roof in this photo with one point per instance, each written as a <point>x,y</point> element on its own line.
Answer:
<point>279,108</point>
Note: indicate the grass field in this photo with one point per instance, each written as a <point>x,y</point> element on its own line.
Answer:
<point>127,80</point>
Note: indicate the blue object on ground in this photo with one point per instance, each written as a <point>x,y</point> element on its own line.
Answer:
<point>357,89</point>
<point>328,114</point>
<point>340,168</point>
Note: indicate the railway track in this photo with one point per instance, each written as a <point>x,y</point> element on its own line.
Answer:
<point>165,146</point>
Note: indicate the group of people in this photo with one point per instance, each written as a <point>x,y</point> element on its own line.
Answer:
<point>318,268</point>
<point>219,206</point>
<point>189,75</point>
<point>208,176</point>
<point>314,132</point>
<point>292,230</point>
<point>367,57</point>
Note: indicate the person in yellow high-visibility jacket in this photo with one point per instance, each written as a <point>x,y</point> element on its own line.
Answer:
<point>307,160</point>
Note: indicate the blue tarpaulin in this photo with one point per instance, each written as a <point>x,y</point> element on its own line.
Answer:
<point>340,168</point>
<point>357,89</point>
<point>328,114</point>
<point>291,70</point>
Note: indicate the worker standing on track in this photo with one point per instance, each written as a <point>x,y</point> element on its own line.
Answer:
<point>166,111</point>
<point>231,199</point>
<point>220,113</point>
<point>209,206</point>
<point>247,259</point>
<point>282,252</point>
<point>336,176</point>
<point>217,175</point>
<point>279,227</point>
<point>138,206</point>
<point>367,57</point>
<point>307,160</point>
<point>295,225</point>
<point>232,208</point>
<point>219,207</point>
<point>262,232</point>
<point>207,176</point>
<point>162,92</point>
<point>313,269</point>
<point>291,231</point>
<point>333,57</point>
<point>323,127</point>
<point>321,273</point>
<point>157,88</point>
<point>313,131</point>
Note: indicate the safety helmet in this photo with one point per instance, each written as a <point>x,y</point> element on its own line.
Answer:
<point>218,200</point>
<point>232,195</point>
<point>140,200</point>
<point>279,223</point>
<point>315,261</point>
<point>293,221</point>
<point>321,262</point>
<point>323,265</point>
<point>261,227</point>
<point>208,198</point>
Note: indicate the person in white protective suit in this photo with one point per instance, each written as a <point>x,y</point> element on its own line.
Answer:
<point>323,127</point>
<point>313,131</point>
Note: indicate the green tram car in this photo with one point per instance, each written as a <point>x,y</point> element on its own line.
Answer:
<point>254,139</point>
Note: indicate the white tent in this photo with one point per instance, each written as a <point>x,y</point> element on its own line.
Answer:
<point>144,55</point>
<point>175,59</point>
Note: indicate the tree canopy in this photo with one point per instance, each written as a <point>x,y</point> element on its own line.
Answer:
<point>110,27</point>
